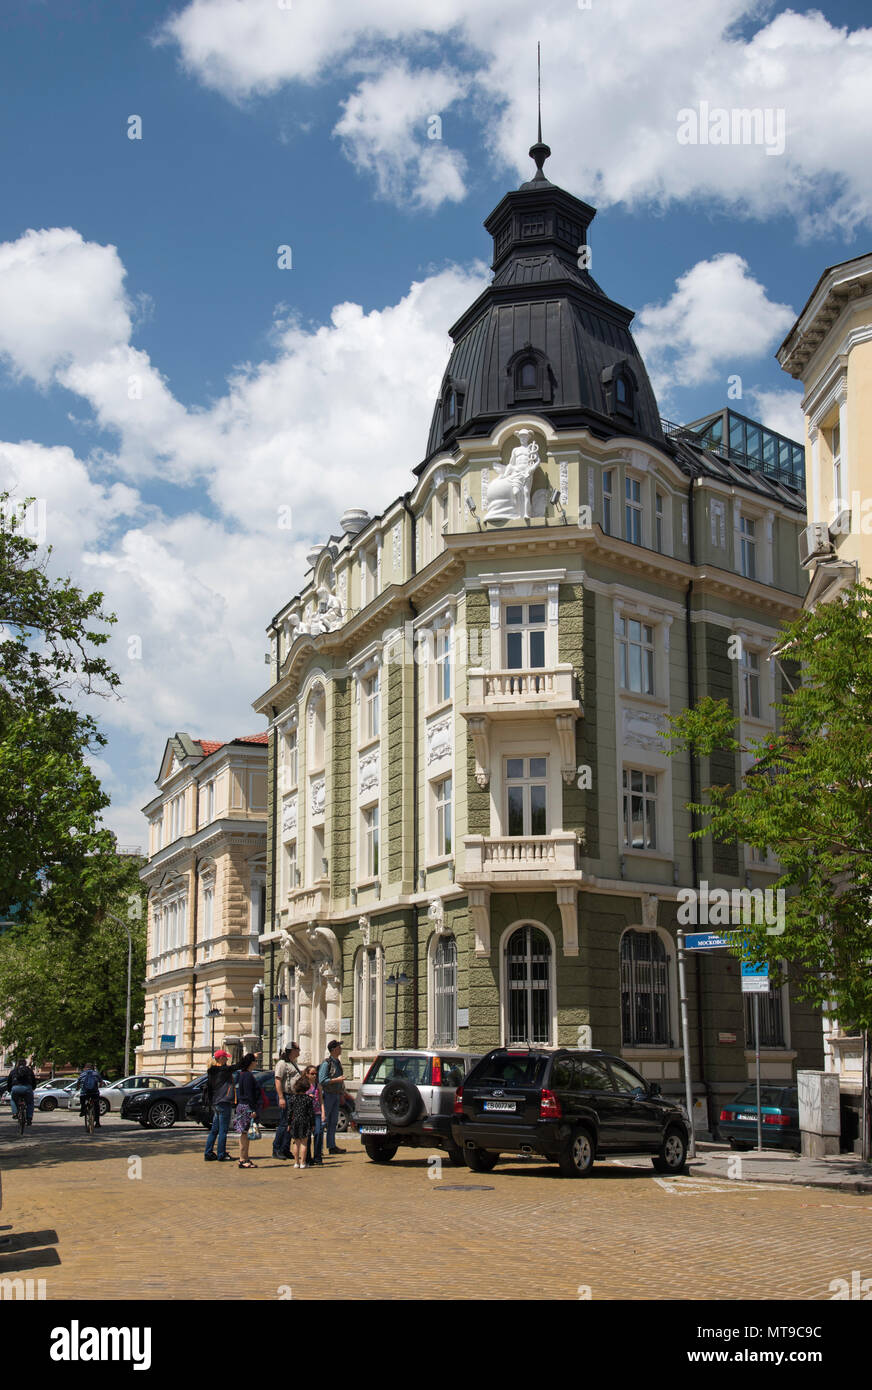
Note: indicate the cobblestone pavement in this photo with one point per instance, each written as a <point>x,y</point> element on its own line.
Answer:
<point>72,1215</point>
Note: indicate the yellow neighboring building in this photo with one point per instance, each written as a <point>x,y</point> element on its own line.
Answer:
<point>829,349</point>
<point>206,879</point>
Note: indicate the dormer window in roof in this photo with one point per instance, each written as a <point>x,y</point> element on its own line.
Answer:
<point>452,405</point>
<point>620,387</point>
<point>529,377</point>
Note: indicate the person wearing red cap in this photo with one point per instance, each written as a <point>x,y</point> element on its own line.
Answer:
<point>221,1095</point>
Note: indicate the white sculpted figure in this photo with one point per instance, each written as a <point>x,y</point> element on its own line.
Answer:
<point>508,496</point>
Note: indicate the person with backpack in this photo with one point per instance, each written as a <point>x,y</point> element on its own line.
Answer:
<point>90,1082</point>
<point>220,1093</point>
<point>21,1084</point>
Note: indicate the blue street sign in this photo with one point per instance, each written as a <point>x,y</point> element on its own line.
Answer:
<point>707,940</point>
<point>755,978</point>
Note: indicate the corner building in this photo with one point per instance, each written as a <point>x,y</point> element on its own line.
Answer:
<point>467,787</point>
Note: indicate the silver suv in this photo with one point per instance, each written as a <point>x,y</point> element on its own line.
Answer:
<point>407,1100</point>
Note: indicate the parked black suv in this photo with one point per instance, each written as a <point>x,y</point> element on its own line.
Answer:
<point>572,1107</point>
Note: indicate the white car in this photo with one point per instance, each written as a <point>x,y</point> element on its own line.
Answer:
<point>112,1096</point>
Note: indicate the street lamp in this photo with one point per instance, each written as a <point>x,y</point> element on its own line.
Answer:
<point>396,981</point>
<point>126,925</point>
<point>213,1013</point>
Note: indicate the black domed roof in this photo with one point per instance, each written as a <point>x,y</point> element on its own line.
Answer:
<point>543,336</point>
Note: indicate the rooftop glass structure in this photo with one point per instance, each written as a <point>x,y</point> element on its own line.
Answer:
<point>750,445</point>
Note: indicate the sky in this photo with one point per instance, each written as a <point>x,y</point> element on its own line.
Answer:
<point>172,380</point>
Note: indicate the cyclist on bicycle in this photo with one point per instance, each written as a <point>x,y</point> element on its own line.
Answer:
<point>89,1089</point>
<point>21,1083</point>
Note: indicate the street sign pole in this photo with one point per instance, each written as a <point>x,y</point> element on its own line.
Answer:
<point>757,1065</point>
<point>685,1040</point>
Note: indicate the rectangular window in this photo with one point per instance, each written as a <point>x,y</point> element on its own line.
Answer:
<point>158,834</point>
<point>633,510</point>
<point>289,760</point>
<point>658,522</point>
<point>749,671</point>
<point>316,868</point>
<point>442,665</point>
<point>636,651</point>
<point>748,541</point>
<point>836,449</point>
<point>442,803</point>
<point>771,1018</point>
<point>290,866</point>
<point>527,796</point>
<point>370,575</point>
<point>371,706</point>
<point>208,920</point>
<point>524,628</point>
<point>608,485</point>
<point>640,809</point>
<point>370,841</point>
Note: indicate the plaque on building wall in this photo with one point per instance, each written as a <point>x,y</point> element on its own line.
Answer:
<point>463,1018</point>
<point>344,1025</point>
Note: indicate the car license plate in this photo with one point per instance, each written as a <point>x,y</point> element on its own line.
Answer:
<point>499,1105</point>
<point>373,1129</point>
<point>746,1117</point>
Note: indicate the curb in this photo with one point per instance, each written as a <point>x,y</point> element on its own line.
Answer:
<point>860,1186</point>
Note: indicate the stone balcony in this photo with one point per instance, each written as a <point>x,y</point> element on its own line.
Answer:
<point>547,692</point>
<point>512,863</point>
<point>309,904</point>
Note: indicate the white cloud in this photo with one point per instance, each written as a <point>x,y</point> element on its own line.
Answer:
<point>337,416</point>
<point>780,411</point>
<point>718,317</point>
<point>615,77</point>
<point>392,128</point>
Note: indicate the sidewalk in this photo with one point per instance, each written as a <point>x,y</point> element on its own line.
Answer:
<point>842,1172</point>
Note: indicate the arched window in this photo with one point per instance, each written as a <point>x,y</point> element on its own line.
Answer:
<point>368,999</point>
<point>645,990</point>
<point>445,992</point>
<point>528,987</point>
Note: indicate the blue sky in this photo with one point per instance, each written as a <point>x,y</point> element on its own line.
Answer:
<point>269,123</point>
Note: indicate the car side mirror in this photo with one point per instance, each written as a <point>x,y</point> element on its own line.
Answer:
<point>654,1089</point>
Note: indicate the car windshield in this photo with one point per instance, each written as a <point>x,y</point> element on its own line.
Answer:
<point>769,1096</point>
<point>384,1069</point>
<point>507,1068</point>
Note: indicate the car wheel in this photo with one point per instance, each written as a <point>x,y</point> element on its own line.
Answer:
<point>378,1151</point>
<point>161,1115</point>
<point>479,1160</point>
<point>673,1153</point>
<point>577,1158</point>
<point>455,1156</point>
<point>400,1102</point>
<point>104,1107</point>
<point>48,1104</point>
<point>342,1121</point>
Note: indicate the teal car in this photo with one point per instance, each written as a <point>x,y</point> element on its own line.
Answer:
<point>779,1108</point>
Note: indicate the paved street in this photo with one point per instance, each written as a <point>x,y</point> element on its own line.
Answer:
<point>354,1230</point>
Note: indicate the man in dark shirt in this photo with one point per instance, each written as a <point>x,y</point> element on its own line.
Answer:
<point>21,1083</point>
<point>331,1079</point>
<point>221,1095</point>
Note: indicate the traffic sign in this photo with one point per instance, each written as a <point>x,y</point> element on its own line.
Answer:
<point>755,978</point>
<point>707,940</point>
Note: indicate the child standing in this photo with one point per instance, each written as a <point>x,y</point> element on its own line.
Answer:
<point>301,1121</point>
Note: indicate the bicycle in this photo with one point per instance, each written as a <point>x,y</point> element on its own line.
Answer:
<point>21,1102</point>
<point>89,1112</point>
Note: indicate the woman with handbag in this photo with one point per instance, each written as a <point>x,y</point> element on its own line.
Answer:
<point>248,1103</point>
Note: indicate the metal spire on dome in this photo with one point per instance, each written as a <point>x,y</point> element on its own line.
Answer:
<point>539,152</point>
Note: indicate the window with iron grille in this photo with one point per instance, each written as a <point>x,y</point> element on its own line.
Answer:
<point>771,1017</point>
<point>528,981</point>
<point>644,990</point>
<point>445,992</point>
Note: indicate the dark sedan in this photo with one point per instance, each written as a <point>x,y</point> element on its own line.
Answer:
<point>162,1108</point>
<point>779,1108</point>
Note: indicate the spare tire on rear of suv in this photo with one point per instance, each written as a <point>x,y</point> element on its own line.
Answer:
<point>400,1102</point>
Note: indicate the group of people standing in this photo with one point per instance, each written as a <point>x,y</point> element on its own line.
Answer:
<point>308,1099</point>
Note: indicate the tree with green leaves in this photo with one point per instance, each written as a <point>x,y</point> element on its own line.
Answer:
<point>807,797</point>
<point>63,981</point>
<point>50,799</point>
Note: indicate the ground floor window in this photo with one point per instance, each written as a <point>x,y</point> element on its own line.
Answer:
<point>445,992</point>
<point>528,986</point>
<point>644,990</point>
<point>367,998</point>
<point>771,1017</point>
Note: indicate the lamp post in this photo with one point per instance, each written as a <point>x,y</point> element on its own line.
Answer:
<point>278,1000</point>
<point>126,925</point>
<point>213,1013</point>
<point>396,981</point>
